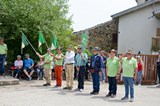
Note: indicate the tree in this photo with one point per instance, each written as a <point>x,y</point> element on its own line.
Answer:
<point>31,16</point>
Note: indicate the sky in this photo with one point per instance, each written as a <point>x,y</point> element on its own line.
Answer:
<point>88,13</point>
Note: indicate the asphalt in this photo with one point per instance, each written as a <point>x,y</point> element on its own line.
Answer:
<point>32,93</point>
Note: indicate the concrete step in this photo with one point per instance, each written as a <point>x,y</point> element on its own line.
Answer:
<point>8,80</point>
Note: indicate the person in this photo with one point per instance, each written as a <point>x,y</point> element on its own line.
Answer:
<point>3,54</point>
<point>129,66</point>
<point>103,69</point>
<point>47,66</point>
<point>112,68</point>
<point>140,70</point>
<point>158,68</point>
<point>75,69</point>
<point>28,67</point>
<point>80,63</point>
<point>69,68</point>
<point>18,67</point>
<point>95,68</point>
<point>40,69</point>
<point>58,67</point>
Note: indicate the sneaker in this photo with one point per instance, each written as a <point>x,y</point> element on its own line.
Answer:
<point>124,98</point>
<point>47,84</point>
<point>113,96</point>
<point>139,84</point>
<point>66,88</point>
<point>80,90</point>
<point>131,100</point>
<point>108,95</point>
<point>77,89</point>
<point>92,92</point>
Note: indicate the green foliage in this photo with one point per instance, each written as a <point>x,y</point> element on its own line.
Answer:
<point>31,16</point>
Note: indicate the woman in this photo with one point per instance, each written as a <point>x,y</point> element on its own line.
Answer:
<point>18,66</point>
<point>158,68</point>
<point>140,70</point>
<point>40,69</point>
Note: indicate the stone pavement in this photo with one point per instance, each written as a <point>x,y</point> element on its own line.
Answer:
<point>32,93</point>
<point>8,80</point>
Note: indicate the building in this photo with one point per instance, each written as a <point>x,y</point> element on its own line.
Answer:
<point>138,27</point>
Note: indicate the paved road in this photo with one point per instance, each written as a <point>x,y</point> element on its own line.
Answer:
<point>34,94</point>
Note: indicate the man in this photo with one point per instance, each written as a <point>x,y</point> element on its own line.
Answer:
<point>69,68</point>
<point>47,66</point>
<point>3,54</point>
<point>58,67</point>
<point>80,63</point>
<point>103,69</point>
<point>75,69</point>
<point>158,69</point>
<point>112,69</point>
<point>28,67</point>
<point>96,65</point>
<point>18,66</point>
<point>129,66</point>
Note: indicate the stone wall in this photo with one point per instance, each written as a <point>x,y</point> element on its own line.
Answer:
<point>103,35</point>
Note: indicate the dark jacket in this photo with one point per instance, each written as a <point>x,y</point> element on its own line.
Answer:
<point>96,62</point>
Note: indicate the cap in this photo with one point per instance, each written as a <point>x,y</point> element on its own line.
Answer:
<point>129,52</point>
<point>113,50</point>
<point>96,49</point>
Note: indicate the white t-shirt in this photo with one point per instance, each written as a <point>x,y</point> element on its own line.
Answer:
<point>69,57</point>
<point>18,63</point>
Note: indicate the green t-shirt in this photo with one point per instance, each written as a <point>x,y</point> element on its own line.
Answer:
<point>3,49</point>
<point>59,62</point>
<point>112,64</point>
<point>129,66</point>
<point>48,57</point>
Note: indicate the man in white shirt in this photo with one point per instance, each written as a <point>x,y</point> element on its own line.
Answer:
<point>69,68</point>
<point>18,66</point>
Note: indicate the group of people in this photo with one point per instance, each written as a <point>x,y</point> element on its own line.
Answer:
<point>102,68</point>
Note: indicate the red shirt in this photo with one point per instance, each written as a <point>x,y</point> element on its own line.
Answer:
<point>139,67</point>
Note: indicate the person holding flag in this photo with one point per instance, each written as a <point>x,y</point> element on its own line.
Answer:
<point>47,66</point>
<point>58,66</point>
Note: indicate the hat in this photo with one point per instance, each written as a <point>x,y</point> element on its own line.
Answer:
<point>113,50</point>
<point>79,47</point>
<point>129,52</point>
<point>96,49</point>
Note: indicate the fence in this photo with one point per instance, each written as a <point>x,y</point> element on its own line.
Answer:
<point>149,74</point>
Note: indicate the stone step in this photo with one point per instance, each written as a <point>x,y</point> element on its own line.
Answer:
<point>8,80</point>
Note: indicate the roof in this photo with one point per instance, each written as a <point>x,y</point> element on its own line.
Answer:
<point>135,8</point>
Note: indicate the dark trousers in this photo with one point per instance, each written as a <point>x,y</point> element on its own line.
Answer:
<point>158,73</point>
<point>75,73</point>
<point>96,81</point>
<point>18,72</point>
<point>81,76</point>
<point>2,61</point>
<point>112,85</point>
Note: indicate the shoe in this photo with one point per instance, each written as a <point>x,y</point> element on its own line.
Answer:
<point>70,88</point>
<point>96,93</point>
<point>139,84</point>
<point>113,96</point>
<point>92,92</point>
<point>47,84</point>
<point>77,89</point>
<point>131,100</point>
<point>66,88</point>
<point>124,98</point>
<point>108,95</point>
<point>38,78</point>
<point>80,90</point>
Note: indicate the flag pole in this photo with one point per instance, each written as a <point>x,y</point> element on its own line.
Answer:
<point>30,44</point>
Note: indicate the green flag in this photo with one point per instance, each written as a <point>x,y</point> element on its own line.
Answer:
<point>41,40</point>
<point>24,41</point>
<point>54,43</point>
<point>84,42</point>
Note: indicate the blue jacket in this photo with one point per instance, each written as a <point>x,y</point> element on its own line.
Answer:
<point>96,62</point>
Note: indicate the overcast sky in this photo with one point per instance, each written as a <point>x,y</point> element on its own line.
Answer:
<point>88,13</point>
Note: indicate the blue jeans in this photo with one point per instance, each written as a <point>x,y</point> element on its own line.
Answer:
<point>103,75</point>
<point>40,73</point>
<point>96,81</point>
<point>139,77</point>
<point>18,72</point>
<point>112,85</point>
<point>2,61</point>
<point>129,84</point>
